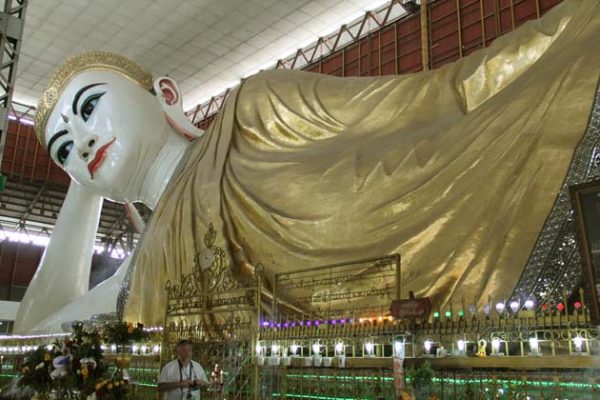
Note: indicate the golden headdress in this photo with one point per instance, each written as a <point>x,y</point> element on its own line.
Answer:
<point>76,64</point>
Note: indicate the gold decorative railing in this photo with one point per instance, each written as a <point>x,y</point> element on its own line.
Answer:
<point>220,313</point>
<point>326,339</point>
<point>335,291</point>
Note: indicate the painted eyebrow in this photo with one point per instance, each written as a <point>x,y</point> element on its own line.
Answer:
<point>80,92</point>
<point>54,137</point>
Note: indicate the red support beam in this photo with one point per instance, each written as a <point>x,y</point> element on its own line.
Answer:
<point>25,160</point>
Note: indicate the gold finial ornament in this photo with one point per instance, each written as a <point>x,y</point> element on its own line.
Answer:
<point>79,63</point>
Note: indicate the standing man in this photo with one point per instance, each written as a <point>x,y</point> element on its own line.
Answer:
<point>181,379</point>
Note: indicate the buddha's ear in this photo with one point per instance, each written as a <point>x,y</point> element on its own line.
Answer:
<point>167,91</point>
<point>169,96</point>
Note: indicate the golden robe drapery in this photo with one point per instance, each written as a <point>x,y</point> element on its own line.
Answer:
<point>456,169</point>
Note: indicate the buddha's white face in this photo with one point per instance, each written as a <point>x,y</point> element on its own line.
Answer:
<point>105,131</point>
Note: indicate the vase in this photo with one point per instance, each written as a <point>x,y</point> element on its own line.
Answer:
<point>122,362</point>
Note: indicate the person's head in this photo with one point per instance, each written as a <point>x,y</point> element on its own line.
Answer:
<point>102,124</point>
<point>184,350</point>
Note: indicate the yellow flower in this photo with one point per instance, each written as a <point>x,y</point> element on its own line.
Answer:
<point>98,386</point>
<point>406,396</point>
<point>110,386</point>
<point>116,383</point>
<point>78,372</point>
<point>47,357</point>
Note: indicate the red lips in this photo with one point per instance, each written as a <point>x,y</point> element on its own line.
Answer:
<point>100,155</point>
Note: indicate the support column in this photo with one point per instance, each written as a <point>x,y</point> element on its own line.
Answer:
<point>424,36</point>
<point>12,20</point>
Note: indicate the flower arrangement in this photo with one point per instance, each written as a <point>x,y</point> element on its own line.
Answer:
<point>35,371</point>
<point>65,367</point>
<point>111,389</point>
<point>123,333</point>
<point>86,357</point>
<point>75,368</point>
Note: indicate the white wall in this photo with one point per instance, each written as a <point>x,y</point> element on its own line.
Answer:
<point>8,310</point>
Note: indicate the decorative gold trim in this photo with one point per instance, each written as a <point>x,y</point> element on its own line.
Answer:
<point>79,63</point>
<point>212,285</point>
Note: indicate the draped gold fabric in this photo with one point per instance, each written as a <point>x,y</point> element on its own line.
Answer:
<point>456,169</point>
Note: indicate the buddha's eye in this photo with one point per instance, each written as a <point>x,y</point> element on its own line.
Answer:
<point>88,106</point>
<point>63,151</point>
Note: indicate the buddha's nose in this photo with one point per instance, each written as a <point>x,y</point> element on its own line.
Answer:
<point>87,146</point>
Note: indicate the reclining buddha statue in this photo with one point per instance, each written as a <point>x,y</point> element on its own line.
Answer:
<point>456,169</point>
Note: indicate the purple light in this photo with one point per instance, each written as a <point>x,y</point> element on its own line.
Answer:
<point>317,322</point>
<point>287,324</point>
<point>342,321</point>
<point>23,121</point>
<point>308,323</point>
<point>301,323</point>
<point>293,324</point>
<point>265,323</point>
<point>279,324</point>
<point>333,322</point>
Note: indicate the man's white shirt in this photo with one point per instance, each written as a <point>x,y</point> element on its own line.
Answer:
<point>172,372</point>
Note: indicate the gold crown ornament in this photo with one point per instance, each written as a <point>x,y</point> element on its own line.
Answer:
<point>90,60</point>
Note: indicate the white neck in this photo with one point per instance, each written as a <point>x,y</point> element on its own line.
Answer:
<point>161,170</point>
